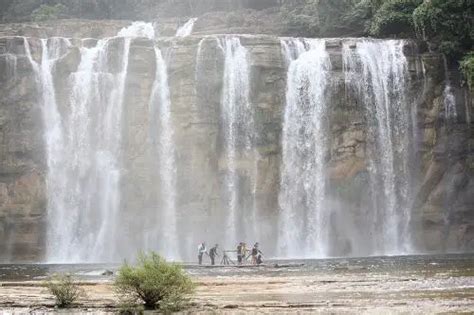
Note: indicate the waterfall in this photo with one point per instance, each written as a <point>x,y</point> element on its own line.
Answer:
<point>160,108</point>
<point>186,29</point>
<point>83,147</point>
<point>84,211</point>
<point>304,217</point>
<point>379,72</point>
<point>238,133</point>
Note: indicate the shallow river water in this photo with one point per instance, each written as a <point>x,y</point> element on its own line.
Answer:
<point>427,265</point>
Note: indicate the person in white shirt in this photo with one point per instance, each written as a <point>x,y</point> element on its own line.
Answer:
<point>201,251</point>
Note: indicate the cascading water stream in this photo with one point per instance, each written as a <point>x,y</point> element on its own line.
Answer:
<point>379,72</point>
<point>90,161</point>
<point>83,145</point>
<point>187,29</point>
<point>160,108</point>
<point>304,224</point>
<point>238,133</point>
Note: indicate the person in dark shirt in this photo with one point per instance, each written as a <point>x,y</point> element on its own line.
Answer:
<point>213,253</point>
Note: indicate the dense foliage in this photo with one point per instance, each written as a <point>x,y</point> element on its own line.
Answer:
<point>448,24</point>
<point>21,10</point>
<point>48,12</point>
<point>394,17</point>
<point>65,290</point>
<point>153,282</point>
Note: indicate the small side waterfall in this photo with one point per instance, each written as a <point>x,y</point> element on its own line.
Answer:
<point>160,108</point>
<point>238,133</point>
<point>379,72</point>
<point>186,29</point>
<point>304,217</point>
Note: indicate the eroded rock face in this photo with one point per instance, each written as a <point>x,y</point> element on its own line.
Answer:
<point>442,213</point>
<point>22,190</point>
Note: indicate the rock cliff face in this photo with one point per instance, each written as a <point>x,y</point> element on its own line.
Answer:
<point>441,185</point>
<point>22,197</point>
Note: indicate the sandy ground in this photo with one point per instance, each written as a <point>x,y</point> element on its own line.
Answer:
<point>302,294</point>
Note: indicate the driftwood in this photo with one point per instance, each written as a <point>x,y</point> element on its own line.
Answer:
<point>287,265</point>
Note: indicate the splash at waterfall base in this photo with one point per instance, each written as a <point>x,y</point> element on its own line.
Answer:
<point>414,284</point>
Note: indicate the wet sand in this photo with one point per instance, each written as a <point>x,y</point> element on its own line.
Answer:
<point>427,287</point>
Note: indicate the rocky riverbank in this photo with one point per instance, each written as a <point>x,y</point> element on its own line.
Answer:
<point>419,284</point>
<point>376,293</point>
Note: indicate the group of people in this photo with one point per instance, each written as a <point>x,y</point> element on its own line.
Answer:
<point>202,249</point>
<point>243,254</point>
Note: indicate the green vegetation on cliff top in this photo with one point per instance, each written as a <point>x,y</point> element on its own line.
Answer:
<point>446,25</point>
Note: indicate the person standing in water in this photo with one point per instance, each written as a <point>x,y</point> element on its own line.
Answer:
<point>201,251</point>
<point>213,253</point>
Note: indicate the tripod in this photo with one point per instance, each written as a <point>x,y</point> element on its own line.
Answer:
<point>226,259</point>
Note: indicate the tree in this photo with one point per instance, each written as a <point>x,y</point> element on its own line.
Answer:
<point>447,25</point>
<point>467,67</point>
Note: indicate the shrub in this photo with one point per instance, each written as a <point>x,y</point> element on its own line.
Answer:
<point>65,290</point>
<point>154,283</point>
<point>48,12</point>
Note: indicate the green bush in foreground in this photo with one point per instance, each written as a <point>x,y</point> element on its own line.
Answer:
<point>153,282</point>
<point>65,290</point>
